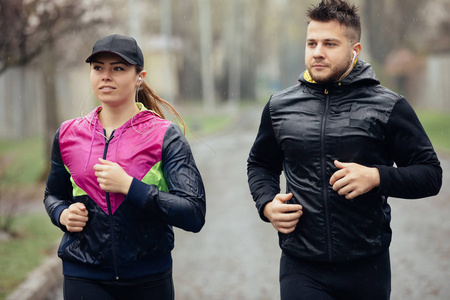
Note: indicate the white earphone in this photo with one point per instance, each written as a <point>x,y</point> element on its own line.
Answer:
<point>140,79</point>
<point>350,67</point>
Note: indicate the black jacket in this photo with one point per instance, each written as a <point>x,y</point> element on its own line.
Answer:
<point>306,127</point>
<point>126,236</point>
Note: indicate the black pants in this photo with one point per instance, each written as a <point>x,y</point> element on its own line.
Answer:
<point>158,287</point>
<point>368,279</point>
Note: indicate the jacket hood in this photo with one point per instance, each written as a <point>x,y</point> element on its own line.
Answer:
<point>362,73</point>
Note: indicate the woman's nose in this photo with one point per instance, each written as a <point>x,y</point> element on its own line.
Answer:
<point>106,76</point>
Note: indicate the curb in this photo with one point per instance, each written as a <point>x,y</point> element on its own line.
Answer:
<point>40,281</point>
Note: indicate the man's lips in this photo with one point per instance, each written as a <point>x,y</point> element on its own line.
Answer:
<point>319,66</point>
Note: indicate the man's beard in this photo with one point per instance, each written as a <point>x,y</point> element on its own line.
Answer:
<point>335,75</point>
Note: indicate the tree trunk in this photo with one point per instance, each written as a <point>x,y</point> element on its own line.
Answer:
<point>50,101</point>
<point>206,52</point>
<point>234,54</point>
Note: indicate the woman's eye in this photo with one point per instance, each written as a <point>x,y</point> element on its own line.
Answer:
<point>97,68</point>
<point>118,69</point>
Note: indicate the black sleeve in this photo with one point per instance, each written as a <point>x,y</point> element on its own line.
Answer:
<point>418,172</point>
<point>184,206</point>
<point>264,164</point>
<point>58,191</point>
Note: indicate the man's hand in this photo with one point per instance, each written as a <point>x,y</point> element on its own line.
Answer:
<point>353,180</point>
<point>74,217</point>
<point>111,177</point>
<point>284,217</point>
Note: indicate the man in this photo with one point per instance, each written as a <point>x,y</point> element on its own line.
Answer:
<point>336,135</point>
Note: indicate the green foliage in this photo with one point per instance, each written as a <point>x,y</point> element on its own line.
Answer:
<point>34,237</point>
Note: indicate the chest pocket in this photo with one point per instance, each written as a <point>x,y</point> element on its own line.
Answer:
<point>355,120</point>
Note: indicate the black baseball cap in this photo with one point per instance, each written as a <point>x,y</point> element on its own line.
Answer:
<point>124,46</point>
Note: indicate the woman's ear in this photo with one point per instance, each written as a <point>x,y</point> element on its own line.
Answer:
<point>142,75</point>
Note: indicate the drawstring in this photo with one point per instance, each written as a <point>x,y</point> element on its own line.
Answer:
<point>94,131</point>
<point>117,145</point>
<point>90,148</point>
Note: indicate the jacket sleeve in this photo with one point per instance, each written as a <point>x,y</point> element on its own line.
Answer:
<point>184,206</point>
<point>264,164</point>
<point>418,172</point>
<point>58,191</point>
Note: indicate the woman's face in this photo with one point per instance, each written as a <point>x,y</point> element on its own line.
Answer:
<point>113,80</point>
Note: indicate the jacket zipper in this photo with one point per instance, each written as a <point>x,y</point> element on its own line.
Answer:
<point>110,215</point>
<point>324,173</point>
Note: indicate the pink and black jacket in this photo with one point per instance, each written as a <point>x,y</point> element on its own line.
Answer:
<point>126,236</point>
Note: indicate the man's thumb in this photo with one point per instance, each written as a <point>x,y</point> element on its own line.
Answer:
<point>340,165</point>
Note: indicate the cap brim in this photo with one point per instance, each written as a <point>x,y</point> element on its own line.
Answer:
<point>127,59</point>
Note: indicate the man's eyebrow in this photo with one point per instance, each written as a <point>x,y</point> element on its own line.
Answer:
<point>326,40</point>
<point>333,40</point>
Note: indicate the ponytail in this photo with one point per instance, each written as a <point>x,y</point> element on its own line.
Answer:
<point>153,102</point>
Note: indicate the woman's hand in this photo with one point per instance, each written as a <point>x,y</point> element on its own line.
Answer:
<point>74,217</point>
<point>111,177</point>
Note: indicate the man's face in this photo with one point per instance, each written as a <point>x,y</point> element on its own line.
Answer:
<point>328,53</point>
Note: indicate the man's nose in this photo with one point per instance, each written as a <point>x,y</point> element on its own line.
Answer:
<point>318,51</point>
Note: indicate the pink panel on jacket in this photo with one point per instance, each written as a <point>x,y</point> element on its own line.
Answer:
<point>136,147</point>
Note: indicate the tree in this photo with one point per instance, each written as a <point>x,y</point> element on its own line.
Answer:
<point>31,28</point>
<point>391,24</point>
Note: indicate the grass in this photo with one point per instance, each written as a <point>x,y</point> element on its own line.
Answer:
<point>35,237</point>
<point>202,123</point>
<point>437,126</point>
<point>207,124</point>
<point>22,161</point>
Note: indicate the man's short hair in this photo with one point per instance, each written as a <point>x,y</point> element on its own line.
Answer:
<point>340,10</point>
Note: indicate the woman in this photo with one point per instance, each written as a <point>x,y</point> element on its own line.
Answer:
<point>120,178</point>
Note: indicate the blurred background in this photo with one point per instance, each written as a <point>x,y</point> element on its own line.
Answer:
<point>212,59</point>
<point>213,51</point>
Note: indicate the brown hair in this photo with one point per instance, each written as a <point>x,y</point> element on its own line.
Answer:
<point>340,10</point>
<point>154,102</point>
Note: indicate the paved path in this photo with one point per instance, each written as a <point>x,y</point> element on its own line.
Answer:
<point>236,255</point>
